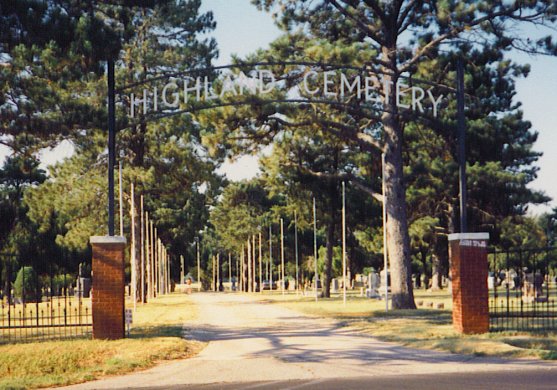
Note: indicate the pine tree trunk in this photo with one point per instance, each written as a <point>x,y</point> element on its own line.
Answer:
<point>333,196</point>
<point>398,244</point>
<point>435,273</point>
<point>439,262</point>
<point>326,288</point>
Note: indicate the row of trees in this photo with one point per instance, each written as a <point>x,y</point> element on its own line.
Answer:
<point>55,90</point>
<point>53,57</point>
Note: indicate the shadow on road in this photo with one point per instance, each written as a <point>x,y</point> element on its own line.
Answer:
<point>295,339</point>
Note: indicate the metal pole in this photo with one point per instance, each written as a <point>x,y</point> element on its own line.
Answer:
<point>270,258</point>
<point>120,198</point>
<point>250,271</point>
<point>344,243</point>
<point>296,251</point>
<point>198,267</point>
<point>242,269</point>
<point>253,250</point>
<point>260,265</point>
<point>282,255</point>
<point>152,247</point>
<point>132,257</point>
<point>315,248</point>
<point>148,250</point>
<point>111,145</point>
<point>461,145</point>
<point>142,253</point>
<point>181,269</point>
<point>230,270</point>
<point>385,257</point>
<point>157,262</point>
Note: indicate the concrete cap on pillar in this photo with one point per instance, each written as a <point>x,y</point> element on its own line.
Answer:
<point>107,240</point>
<point>468,236</point>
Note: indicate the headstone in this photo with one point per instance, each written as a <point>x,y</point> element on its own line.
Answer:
<point>334,285</point>
<point>358,281</point>
<point>373,284</point>
<point>382,287</point>
<point>83,287</point>
<point>491,282</point>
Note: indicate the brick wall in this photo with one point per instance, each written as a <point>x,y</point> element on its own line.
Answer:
<point>108,287</point>
<point>468,261</point>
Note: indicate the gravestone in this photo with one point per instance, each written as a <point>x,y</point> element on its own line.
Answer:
<point>334,285</point>
<point>373,284</point>
<point>83,287</point>
<point>490,282</point>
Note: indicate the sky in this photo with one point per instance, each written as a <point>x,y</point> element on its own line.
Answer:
<point>242,29</point>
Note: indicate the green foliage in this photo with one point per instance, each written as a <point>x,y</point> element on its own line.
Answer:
<point>165,160</point>
<point>26,284</point>
<point>71,201</point>
<point>243,210</point>
<point>337,261</point>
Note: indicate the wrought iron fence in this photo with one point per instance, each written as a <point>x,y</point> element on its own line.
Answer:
<point>523,289</point>
<point>49,302</point>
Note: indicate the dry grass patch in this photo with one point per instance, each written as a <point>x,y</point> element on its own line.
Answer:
<point>423,328</point>
<point>155,336</point>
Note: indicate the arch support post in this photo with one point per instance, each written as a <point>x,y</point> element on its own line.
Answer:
<point>469,271</point>
<point>108,287</point>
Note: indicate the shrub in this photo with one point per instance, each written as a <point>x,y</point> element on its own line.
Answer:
<point>27,283</point>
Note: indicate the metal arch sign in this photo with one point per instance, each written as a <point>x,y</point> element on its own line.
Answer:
<point>329,85</point>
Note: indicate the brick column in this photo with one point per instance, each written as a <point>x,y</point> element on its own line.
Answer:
<point>108,286</point>
<point>468,262</point>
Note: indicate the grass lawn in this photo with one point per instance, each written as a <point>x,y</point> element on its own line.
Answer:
<point>422,328</point>
<point>155,336</point>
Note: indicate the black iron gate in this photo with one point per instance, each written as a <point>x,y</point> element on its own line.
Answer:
<point>43,304</point>
<point>523,290</point>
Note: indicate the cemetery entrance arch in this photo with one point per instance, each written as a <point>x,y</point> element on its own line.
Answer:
<point>252,84</point>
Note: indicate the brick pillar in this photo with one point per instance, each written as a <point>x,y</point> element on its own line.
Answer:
<point>108,286</point>
<point>468,260</point>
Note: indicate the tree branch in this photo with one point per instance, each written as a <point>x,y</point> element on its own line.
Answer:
<point>365,28</point>
<point>338,177</point>
<point>457,30</point>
